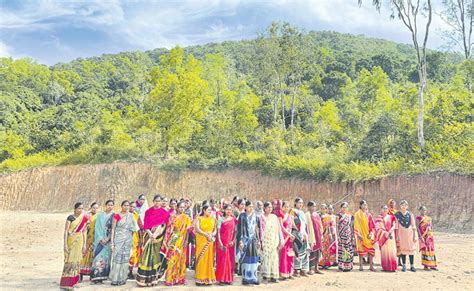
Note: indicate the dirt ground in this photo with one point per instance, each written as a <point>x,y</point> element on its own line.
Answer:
<point>31,258</point>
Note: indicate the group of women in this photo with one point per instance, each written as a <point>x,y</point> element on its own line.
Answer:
<point>272,239</point>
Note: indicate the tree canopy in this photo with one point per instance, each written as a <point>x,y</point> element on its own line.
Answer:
<point>321,105</point>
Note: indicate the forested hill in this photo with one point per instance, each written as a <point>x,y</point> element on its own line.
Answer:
<point>323,105</point>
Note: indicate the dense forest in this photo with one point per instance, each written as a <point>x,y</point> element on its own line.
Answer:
<point>321,105</point>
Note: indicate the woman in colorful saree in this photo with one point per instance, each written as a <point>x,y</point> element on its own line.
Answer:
<point>425,233</point>
<point>364,229</point>
<point>225,261</point>
<point>272,240</point>
<point>346,240</point>
<point>385,237</point>
<point>137,241</point>
<point>172,210</point>
<point>123,228</point>
<point>102,252</point>
<point>287,254</point>
<point>154,226</point>
<point>74,247</point>
<point>315,231</point>
<point>249,240</point>
<point>392,209</point>
<point>329,244</point>
<point>205,227</point>
<point>302,252</point>
<point>406,235</point>
<point>176,249</point>
<point>88,257</point>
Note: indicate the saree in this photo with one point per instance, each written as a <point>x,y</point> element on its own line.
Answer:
<point>315,228</point>
<point>427,249</point>
<point>345,254</point>
<point>248,232</point>
<point>137,242</point>
<point>166,240</point>
<point>287,254</point>
<point>225,261</point>
<point>125,227</point>
<point>72,259</point>
<point>205,252</point>
<point>385,226</point>
<point>392,211</point>
<point>176,251</point>
<point>88,257</point>
<point>364,226</point>
<point>150,261</point>
<point>102,253</point>
<point>272,236</point>
<point>301,245</point>
<point>329,241</point>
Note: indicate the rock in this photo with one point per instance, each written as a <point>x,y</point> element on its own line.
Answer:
<point>58,188</point>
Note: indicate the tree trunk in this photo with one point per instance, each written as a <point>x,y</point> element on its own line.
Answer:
<point>282,98</point>
<point>421,105</point>
<point>293,106</point>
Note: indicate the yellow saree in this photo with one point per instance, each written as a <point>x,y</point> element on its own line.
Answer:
<point>73,257</point>
<point>205,252</point>
<point>176,253</point>
<point>364,226</point>
<point>137,244</point>
<point>88,257</point>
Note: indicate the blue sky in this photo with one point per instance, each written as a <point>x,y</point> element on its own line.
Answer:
<point>59,31</point>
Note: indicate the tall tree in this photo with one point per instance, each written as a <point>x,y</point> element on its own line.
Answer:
<point>459,14</point>
<point>180,100</point>
<point>409,12</point>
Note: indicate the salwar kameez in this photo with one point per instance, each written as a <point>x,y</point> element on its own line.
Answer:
<point>88,257</point>
<point>406,229</point>
<point>205,274</point>
<point>345,255</point>
<point>427,249</point>
<point>125,227</point>
<point>176,251</point>
<point>102,252</point>
<point>248,232</point>
<point>272,238</point>
<point>72,258</point>
<point>225,261</point>
<point>385,237</point>
<point>287,254</point>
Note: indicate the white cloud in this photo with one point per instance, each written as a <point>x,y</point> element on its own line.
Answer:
<point>5,50</point>
<point>186,23</point>
<point>144,25</point>
<point>44,14</point>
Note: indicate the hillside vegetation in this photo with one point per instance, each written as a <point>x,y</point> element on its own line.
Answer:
<point>321,105</point>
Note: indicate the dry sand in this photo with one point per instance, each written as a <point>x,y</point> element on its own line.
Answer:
<point>31,258</point>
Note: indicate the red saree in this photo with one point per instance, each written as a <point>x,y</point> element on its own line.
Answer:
<point>427,249</point>
<point>385,236</point>
<point>225,260</point>
<point>287,254</point>
<point>329,241</point>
